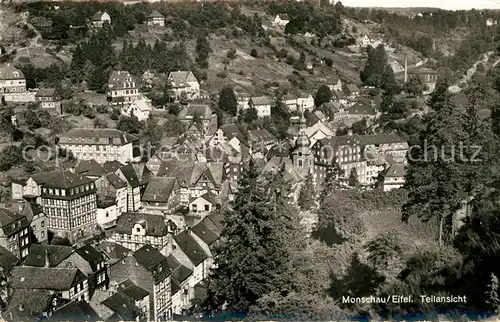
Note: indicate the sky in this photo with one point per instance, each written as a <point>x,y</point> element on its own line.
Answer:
<point>444,4</point>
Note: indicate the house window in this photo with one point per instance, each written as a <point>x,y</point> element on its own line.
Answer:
<point>207,207</point>
<point>138,229</point>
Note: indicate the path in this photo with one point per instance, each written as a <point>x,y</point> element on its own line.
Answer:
<point>470,72</point>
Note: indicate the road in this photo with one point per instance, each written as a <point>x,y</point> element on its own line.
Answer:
<point>470,72</point>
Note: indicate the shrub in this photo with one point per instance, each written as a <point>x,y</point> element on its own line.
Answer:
<point>253,52</point>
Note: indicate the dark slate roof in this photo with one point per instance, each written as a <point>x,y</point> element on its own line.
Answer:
<point>33,303</point>
<point>46,92</point>
<point>211,197</point>
<point>159,189</point>
<point>114,250</point>
<point>7,260</point>
<point>395,170</point>
<point>43,278</point>
<point>190,247</point>
<point>8,72</point>
<point>7,217</point>
<point>61,179</point>
<point>205,232</point>
<point>112,166</point>
<point>154,224</point>
<point>31,209</point>
<point>128,288</point>
<point>116,181</point>
<point>123,306</point>
<point>152,260</point>
<point>343,140</point>
<point>217,218</point>
<point>56,253</point>
<point>361,108</point>
<point>81,311</point>
<point>192,110</point>
<point>130,175</point>
<point>89,168</point>
<point>231,131</point>
<point>262,135</point>
<point>92,255</point>
<point>119,79</point>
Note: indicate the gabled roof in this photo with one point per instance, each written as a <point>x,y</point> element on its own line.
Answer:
<point>232,131</point>
<point>352,87</point>
<point>7,217</point>
<point>61,179</point>
<point>283,16</point>
<point>120,78</point>
<point>180,78</point>
<point>189,173</point>
<point>343,140</point>
<point>46,92</point>
<point>210,197</point>
<point>143,172</point>
<point>113,250</point>
<point>128,288</point>
<point>32,302</point>
<point>56,254</point>
<point>154,224</point>
<point>89,168</point>
<point>208,234</point>
<point>43,278</point>
<point>155,14</point>
<point>159,189</point>
<point>123,305</point>
<point>152,260</point>
<point>112,166</point>
<point>190,247</point>
<point>115,181</point>
<point>395,171</point>
<point>68,312</point>
<point>91,255</point>
<point>261,135</point>
<point>260,100</point>
<point>130,175</point>
<point>199,110</point>
<point>217,218</point>
<point>361,108</point>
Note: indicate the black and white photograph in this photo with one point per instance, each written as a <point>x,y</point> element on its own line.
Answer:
<point>249,160</point>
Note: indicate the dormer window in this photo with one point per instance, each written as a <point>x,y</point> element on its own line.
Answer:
<point>15,74</point>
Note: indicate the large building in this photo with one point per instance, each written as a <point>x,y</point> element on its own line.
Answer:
<point>123,87</point>
<point>70,203</point>
<point>14,233</point>
<point>11,80</point>
<point>184,83</point>
<point>101,145</point>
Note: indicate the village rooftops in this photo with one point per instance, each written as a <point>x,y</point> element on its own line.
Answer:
<point>384,138</point>
<point>395,170</point>
<point>7,260</point>
<point>89,168</point>
<point>180,78</point>
<point>128,288</point>
<point>207,231</point>
<point>46,92</point>
<point>26,304</point>
<point>123,306</point>
<point>62,180</point>
<point>8,217</point>
<point>154,225</point>
<point>9,72</point>
<point>260,100</point>
<point>97,16</point>
<point>84,136</point>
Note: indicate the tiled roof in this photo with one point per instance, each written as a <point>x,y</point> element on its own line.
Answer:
<point>361,109</point>
<point>91,255</point>
<point>231,131</point>
<point>115,181</point>
<point>180,78</point>
<point>130,175</point>
<point>188,173</point>
<point>123,306</point>
<point>395,170</point>
<point>64,180</point>
<point>217,218</point>
<point>114,250</point>
<point>159,189</point>
<point>56,254</point>
<point>352,87</point>
<point>7,217</point>
<point>31,209</point>
<point>33,303</point>
<point>128,288</point>
<point>192,110</point>
<point>119,78</point>
<point>205,233</point>
<point>190,247</point>
<point>262,135</point>
<point>112,166</point>
<point>154,224</point>
<point>96,137</point>
<point>152,260</point>
<point>82,310</point>
<point>43,278</point>
<point>89,168</point>
<point>260,100</point>
<point>9,72</point>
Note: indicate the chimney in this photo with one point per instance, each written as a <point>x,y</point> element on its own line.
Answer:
<point>406,68</point>
<point>188,230</point>
<point>349,132</point>
<point>47,261</point>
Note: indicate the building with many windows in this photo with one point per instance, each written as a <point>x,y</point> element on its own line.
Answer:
<point>100,145</point>
<point>14,233</point>
<point>70,203</point>
<point>12,80</point>
<point>123,88</point>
